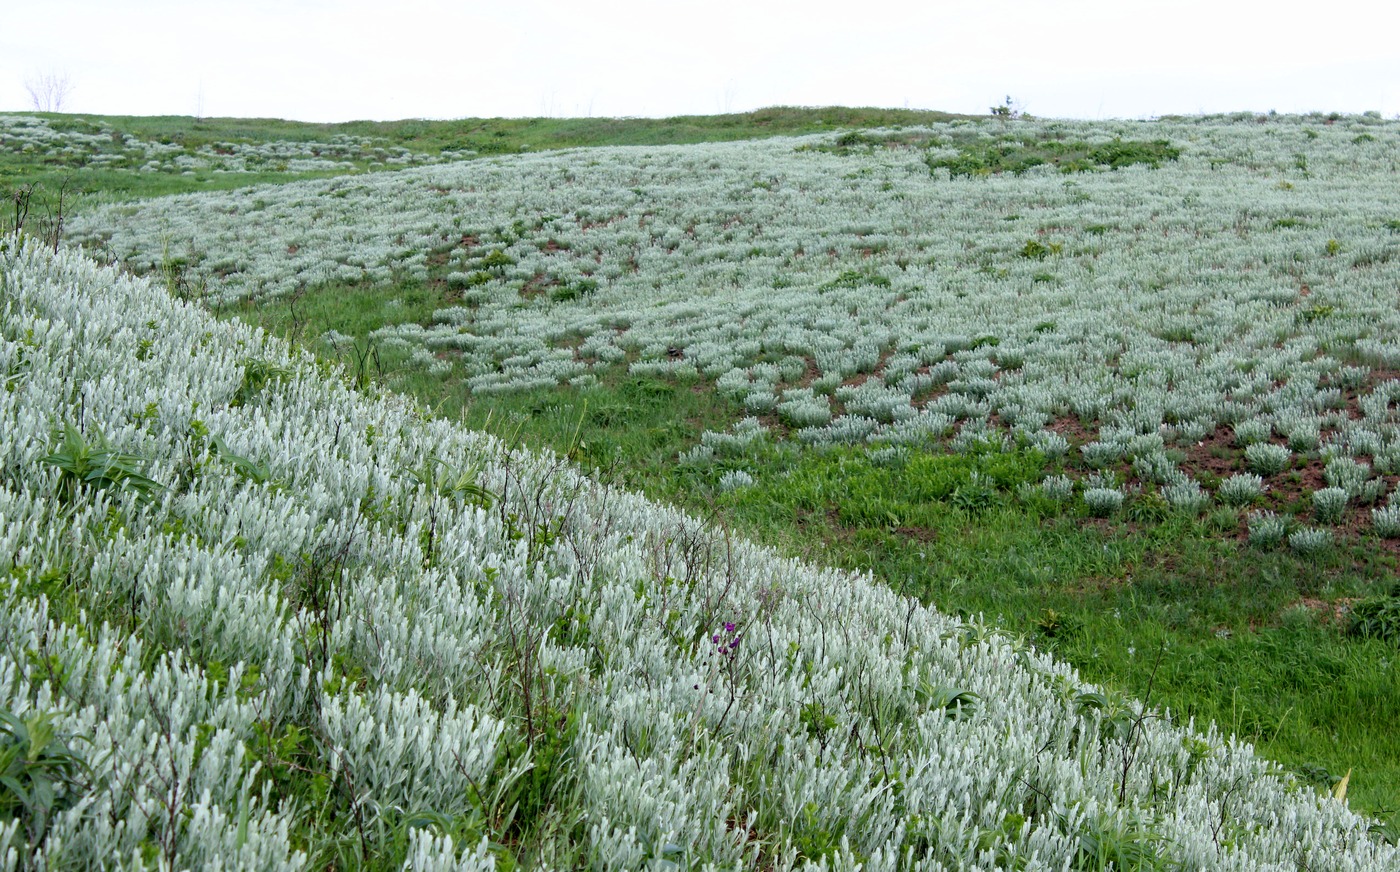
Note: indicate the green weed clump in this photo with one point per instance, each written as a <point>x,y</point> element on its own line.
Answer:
<point>1034,249</point>
<point>41,775</point>
<point>1018,154</point>
<point>1377,617</point>
<point>94,463</point>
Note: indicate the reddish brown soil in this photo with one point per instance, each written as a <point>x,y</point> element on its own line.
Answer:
<point>1216,455</point>
<point>924,400</point>
<point>1073,430</point>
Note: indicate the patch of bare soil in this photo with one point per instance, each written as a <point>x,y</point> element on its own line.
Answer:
<point>918,534</point>
<point>1333,612</point>
<point>1075,432</point>
<point>861,378</point>
<point>1214,456</point>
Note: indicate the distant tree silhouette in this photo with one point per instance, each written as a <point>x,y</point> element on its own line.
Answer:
<point>49,91</point>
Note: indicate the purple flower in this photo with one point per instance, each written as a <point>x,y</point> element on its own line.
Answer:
<point>728,627</point>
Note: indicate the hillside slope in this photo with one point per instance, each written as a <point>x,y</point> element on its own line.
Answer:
<point>286,625</point>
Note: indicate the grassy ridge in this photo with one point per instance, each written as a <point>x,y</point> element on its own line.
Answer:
<point>483,135</point>
<point>506,135</point>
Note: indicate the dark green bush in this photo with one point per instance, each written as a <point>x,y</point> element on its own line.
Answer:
<point>1377,617</point>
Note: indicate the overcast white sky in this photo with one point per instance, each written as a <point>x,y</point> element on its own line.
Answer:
<point>319,60</point>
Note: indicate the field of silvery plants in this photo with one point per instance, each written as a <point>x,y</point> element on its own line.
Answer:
<point>256,619</point>
<point>1148,290</point>
<point>97,145</point>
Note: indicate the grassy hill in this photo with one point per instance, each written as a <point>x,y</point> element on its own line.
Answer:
<point>256,618</point>
<point>1027,370</point>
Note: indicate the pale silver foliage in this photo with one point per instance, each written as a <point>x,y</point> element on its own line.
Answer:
<point>1187,298</point>
<point>1267,529</point>
<point>1329,503</point>
<point>1187,496</point>
<point>1103,501</point>
<point>103,147</point>
<point>1309,540</point>
<point>1240,489</point>
<point>1386,521</point>
<point>1057,487</point>
<point>1266,458</point>
<point>849,726</point>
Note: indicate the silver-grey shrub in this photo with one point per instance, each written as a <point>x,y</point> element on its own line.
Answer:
<point>1103,502</point>
<point>1386,521</point>
<point>1310,540</point>
<point>735,479</point>
<point>827,745</point>
<point>1057,487</point>
<point>1101,454</point>
<point>1329,504</point>
<point>1252,431</point>
<point>692,279</point>
<point>804,408</point>
<point>1267,529</point>
<point>1266,458</point>
<point>1240,489</point>
<point>1347,473</point>
<point>1186,496</point>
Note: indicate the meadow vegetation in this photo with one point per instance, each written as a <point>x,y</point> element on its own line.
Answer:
<point>979,361</point>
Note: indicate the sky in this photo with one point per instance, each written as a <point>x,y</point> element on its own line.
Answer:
<point>321,60</point>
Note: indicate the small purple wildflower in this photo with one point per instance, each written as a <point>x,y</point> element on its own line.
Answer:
<point>727,640</point>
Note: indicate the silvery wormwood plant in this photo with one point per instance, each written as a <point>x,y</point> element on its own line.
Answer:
<point>244,638</point>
